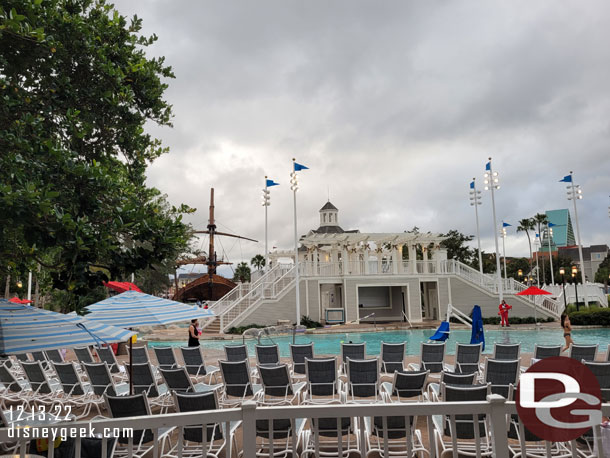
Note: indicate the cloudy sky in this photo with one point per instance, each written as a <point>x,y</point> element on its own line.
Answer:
<point>394,105</point>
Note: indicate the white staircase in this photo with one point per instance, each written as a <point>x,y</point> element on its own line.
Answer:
<point>248,295</point>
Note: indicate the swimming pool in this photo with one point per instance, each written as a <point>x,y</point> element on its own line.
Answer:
<point>329,344</point>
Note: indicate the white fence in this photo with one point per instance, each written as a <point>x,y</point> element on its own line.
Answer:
<point>496,410</point>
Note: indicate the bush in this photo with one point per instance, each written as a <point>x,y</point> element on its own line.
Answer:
<point>240,329</point>
<point>593,316</point>
<point>309,323</point>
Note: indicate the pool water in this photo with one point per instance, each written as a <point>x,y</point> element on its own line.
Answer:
<point>329,344</point>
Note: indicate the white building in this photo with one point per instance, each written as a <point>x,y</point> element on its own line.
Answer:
<point>350,275</point>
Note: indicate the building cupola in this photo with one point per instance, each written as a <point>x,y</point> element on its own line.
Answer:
<point>329,215</point>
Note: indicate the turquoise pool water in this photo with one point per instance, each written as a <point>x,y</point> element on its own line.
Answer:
<point>329,344</point>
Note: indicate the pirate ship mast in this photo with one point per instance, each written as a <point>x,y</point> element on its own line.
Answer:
<point>211,286</point>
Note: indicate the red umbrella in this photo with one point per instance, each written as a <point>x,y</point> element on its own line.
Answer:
<point>533,291</point>
<point>122,286</point>
<point>16,300</point>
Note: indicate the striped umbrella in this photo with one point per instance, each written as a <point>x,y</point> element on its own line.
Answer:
<point>133,309</point>
<point>24,328</point>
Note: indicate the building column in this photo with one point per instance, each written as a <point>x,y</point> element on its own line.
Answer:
<point>314,261</point>
<point>365,258</point>
<point>394,259</point>
<point>401,267</point>
<point>334,261</point>
<point>412,259</point>
<point>425,253</point>
<point>344,260</point>
<point>379,261</point>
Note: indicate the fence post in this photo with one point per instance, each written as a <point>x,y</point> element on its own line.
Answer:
<point>248,417</point>
<point>499,428</point>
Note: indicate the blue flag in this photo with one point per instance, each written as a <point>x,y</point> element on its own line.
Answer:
<point>566,179</point>
<point>552,225</point>
<point>488,166</point>
<point>298,167</point>
<point>472,185</point>
<point>271,183</point>
<point>505,224</point>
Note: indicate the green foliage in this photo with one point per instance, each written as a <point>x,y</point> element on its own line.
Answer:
<point>76,92</point>
<point>591,316</point>
<point>309,323</point>
<point>242,273</point>
<point>603,272</point>
<point>241,329</point>
<point>457,248</point>
<point>258,261</point>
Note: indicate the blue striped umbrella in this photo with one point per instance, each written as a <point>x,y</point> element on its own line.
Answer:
<point>133,309</point>
<point>24,328</point>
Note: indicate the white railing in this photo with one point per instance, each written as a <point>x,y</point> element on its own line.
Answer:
<point>496,410</point>
<point>595,293</point>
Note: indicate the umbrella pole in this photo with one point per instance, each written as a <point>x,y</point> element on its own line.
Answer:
<point>131,365</point>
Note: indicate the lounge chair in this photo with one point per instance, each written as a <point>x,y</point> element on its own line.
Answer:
<point>237,381</point>
<point>195,365</point>
<point>139,355</point>
<point>353,351</point>
<point>392,357</point>
<point>363,380</point>
<point>282,440</point>
<point>179,381</point>
<point>75,392</point>
<point>323,385</point>
<point>236,353</point>
<point>507,352</point>
<point>166,358</point>
<point>102,382</point>
<point>467,358</point>
<point>526,444</point>
<point>450,378</point>
<point>193,443</point>
<point>44,390</point>
<point>23,357</point>
<point>331,437</point>
<point>406,386</point>
<point>13,389</point>
<point>502,376</point>
<point>583,352</point>
<point>142,440</point>
<point>546,351</point>
<point>431,358</point>
<point>54,356</point>
<point>299,353</point>
<point>8,448</point>
<point>83,355</point>
<point>278,388</point>
<point>106,355</point>
<point>267,355</point>
<point>458,433</point>
<point>602,374</point>
<point>143,380</point>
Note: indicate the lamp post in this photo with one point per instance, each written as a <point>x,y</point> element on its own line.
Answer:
<point>562,272</point>
<point>503,229</point>
<point>536,240</point>
<point>574,272</point>
<point>294,187</point>
<point>575,193</point>
<point>266,202</point>
<point>492,183</point>
<point>475,201</point>
<point>520,274</point>
<point>549,236</point>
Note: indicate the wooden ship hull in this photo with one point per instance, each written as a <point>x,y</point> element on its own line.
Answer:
<point>205,289</point>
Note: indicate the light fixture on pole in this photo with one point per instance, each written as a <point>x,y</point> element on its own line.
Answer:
<point>492,183</point>
<point>549,237</point>
<point>266,202</point>
<point>574,194</point>
<point>475,201</point>
<point>536,244</point>
<point>30,285</point>
<point>562,272</point>
<point>574,272</point>
<point>503,229</point>
<point>294,187</point>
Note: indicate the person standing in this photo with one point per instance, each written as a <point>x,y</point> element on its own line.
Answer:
<point>567,330</point>
<point>504,308</point>
<point>194,334</point>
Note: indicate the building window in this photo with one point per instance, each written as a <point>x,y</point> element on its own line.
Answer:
<point>324,217</point>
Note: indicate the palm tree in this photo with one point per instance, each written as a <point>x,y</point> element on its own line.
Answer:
<point>258,261</point>
<point>540,219</point>
<point>242,273</point>
<point>526,225</point>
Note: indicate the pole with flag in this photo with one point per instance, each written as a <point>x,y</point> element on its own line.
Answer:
<point>294,186</point>
<point>504,226</point>
<point>475,197</point>
<point>266,203</point>
<point>574,194</point>
<point>549,235</point>
<point>492,182</point>
<point>537,243</point>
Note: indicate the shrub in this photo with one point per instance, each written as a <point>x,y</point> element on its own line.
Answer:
<point>593,316</point>
<point>309,323</point>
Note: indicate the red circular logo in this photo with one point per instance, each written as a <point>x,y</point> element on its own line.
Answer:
<point>558,399</point>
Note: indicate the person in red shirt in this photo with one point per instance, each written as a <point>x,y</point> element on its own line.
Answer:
<point>504,308</point>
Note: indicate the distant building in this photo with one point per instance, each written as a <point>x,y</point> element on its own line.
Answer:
<point>329,221</point>
<point>563,232</point>
<point>592,257</point>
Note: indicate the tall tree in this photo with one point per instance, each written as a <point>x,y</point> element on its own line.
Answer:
<point>77,91</point>
<point>540,220</point>
<point>242,273</point>
<point>258,261</point>
<point>526,225</point>
<point>457,248</point>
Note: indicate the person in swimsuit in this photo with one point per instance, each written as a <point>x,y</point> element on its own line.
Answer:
<point>567,330</point>
<point>194,334</point>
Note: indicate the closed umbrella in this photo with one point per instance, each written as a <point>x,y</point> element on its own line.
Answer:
<point>133,309</point>
<point>24,329</point>
<point>121,286</point>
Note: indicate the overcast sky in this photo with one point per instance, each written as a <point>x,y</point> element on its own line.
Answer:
<point>394,105</point>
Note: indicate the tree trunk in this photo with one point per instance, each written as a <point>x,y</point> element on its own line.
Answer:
<point>37,289</point>
<point>7,288</point>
